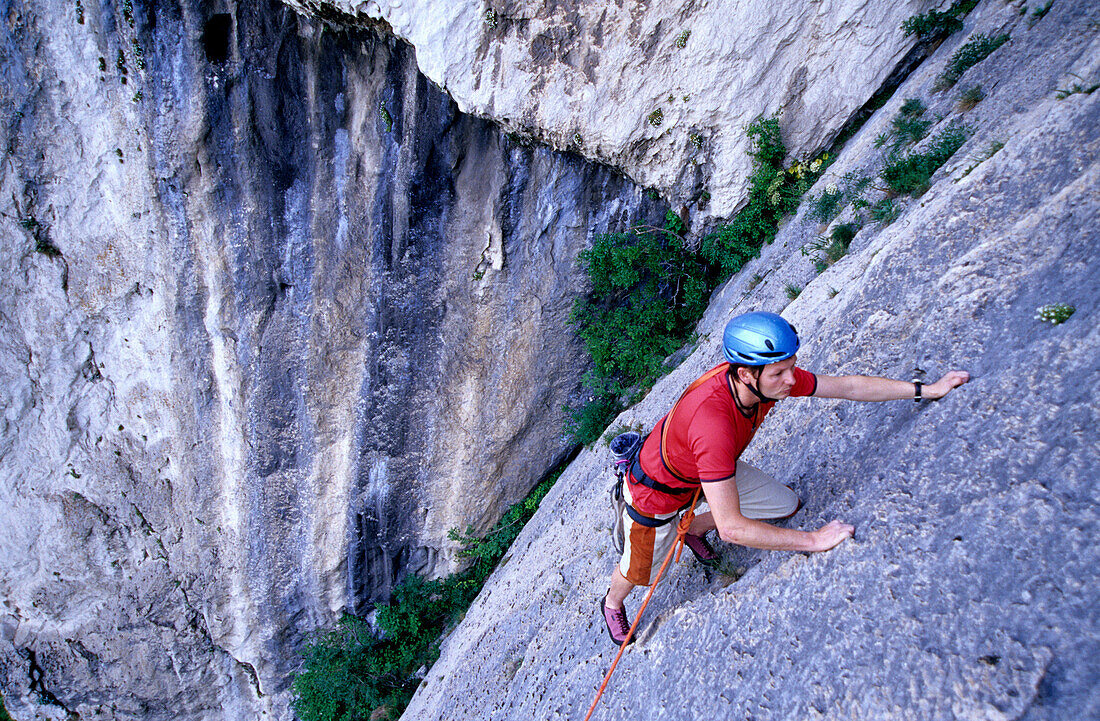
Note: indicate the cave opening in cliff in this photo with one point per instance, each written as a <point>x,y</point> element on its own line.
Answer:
<point>215,37</point>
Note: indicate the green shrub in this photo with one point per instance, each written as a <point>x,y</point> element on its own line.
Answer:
<point>585,424</point>
<point>936,24</point>
<point>792,290</point>
<point>826,251</point>
<point>932,24</point>
<point>842,236</point>
<point>647,291</point>
<point>349,673</point>
<point>907,127</point>
<point>910,173</point>
<point>3,711</point>
<point>967,57</point>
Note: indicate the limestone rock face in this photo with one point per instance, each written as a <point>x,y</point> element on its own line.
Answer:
<point>274,317</point>
<point>662,90</point>
<point>969,590</point>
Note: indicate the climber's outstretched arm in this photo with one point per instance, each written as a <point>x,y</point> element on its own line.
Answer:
<point>871,388</point>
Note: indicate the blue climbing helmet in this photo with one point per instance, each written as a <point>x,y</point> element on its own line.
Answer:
<point>759,338</point>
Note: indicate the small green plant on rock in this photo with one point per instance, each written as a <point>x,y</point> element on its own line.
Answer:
<point>967,57</point>
<point>969,98</point>
<point>792,290</point>
<point>139,54</point>
<point>1076,89</point>
<point>656,118</point>
<point>931,24</point>
<point>1054,313</point>
<point>827,251</point>
<point>490,18</point>
<point>384,116</point>
<point>884,211</point>
<point>682,39</point>
<point>908,126</point>
<point>1039,13</point>
<point>842,236</point>
<point>911,173</point>
<point>79,13</point>
<point>826,206</point>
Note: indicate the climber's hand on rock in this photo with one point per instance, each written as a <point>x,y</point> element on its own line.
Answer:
<point>951,379</point>
<point>831,534</point>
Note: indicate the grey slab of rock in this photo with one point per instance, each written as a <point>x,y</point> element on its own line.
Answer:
<point>969,590</point>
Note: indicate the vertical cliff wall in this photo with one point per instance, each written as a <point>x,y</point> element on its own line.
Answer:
<point>274,317</point>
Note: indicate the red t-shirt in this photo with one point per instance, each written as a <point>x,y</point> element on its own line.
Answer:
<point>706,437</point>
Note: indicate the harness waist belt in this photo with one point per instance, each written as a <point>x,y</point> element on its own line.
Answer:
<point>639,476</point>
<point>645,520</point>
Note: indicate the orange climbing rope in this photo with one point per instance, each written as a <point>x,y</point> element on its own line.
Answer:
<point>677,548</point>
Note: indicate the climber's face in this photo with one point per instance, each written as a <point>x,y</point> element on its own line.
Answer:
<point>777,379</point>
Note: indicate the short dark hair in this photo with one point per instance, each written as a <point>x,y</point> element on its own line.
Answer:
<point>754,370</point>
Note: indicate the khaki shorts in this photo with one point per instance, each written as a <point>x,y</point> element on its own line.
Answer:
<point>644,549</point>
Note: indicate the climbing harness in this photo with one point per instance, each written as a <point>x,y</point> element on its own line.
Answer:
<point>624,447</point>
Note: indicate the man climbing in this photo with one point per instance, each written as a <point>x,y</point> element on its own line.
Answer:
<point>700,442</point>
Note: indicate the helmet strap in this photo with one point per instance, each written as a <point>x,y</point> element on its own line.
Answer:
<point>755,391</point>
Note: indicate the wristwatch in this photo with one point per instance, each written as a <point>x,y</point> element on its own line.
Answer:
<point>916,391</point>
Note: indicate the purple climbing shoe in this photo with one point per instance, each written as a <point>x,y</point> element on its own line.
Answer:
<point>617,624</point>
<point>702,550</point>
